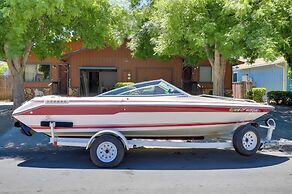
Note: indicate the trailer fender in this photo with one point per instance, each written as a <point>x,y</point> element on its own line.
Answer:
<point>109,132</point>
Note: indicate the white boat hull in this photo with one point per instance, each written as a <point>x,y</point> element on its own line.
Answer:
<point>218,120</point>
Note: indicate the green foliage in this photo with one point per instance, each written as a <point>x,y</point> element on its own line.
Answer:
<point>49,24</point>
<point>122,84</point>
<point>281,12</point>
<point>290,72</point>
<point>199,29</point>
<point>3,68</point>
<point>249,95</point>
<point>258,94</point>
<point>142,30</point>
<point>280,97</point>
<point>44,27</point>
<point>141,44</point>
<point>250,29</point>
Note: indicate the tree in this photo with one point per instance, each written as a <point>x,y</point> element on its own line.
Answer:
<point>279,14</point>
<point>44,27</point>
<point>142,30</point>
<point>219,30</point>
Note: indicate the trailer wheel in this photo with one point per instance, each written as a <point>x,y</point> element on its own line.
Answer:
<point>107,151</point>
<point>246,140</point>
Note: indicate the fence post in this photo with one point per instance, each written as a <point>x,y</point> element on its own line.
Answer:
<point>5,84</point>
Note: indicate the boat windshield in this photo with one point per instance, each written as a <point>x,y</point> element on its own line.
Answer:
<point>148,88</point>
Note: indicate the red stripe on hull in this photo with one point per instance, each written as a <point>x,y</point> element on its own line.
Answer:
<point>146,125</point>
<point>109,110</point>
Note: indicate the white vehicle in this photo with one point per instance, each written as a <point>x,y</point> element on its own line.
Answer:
<point>122,118</point>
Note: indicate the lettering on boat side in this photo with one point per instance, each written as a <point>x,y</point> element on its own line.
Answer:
<point>56,101</point>
<point>244,110</point>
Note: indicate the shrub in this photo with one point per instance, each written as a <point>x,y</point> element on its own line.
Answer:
<point>228,94</point>
<point>122,84</point>
<point>280,97</point>
<point>288,98</point>
<point>258,94</point>
<point>249,95</point>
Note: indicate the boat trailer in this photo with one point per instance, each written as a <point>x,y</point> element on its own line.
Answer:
<point>267,142</point>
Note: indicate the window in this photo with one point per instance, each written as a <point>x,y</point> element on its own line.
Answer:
<point>235,77</point>
<point>205,74</point>
<point>37,73</point>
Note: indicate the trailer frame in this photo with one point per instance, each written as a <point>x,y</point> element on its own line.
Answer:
<point>270,125</point>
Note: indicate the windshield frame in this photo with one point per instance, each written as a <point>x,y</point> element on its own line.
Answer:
<point>155,83</point>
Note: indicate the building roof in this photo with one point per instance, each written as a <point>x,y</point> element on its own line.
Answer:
<point>259,63</point>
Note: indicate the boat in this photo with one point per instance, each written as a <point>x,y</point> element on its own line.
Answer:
<point>150,109</point>
<point>147,114</point>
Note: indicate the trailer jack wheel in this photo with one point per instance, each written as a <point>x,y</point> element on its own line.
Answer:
<point>246,140</point>
<point>107,151</point>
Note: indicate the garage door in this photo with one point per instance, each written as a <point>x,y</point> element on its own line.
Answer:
<point>145,74</point>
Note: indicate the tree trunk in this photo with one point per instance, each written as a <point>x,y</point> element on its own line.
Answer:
<point>218,64</point>
<point>218,74</point>
<point>16,66</point>
<point>18,89</point>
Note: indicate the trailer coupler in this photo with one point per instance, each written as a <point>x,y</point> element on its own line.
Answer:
<point>270,125</point>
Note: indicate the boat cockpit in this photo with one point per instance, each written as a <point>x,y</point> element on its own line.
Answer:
<point>147,88</point>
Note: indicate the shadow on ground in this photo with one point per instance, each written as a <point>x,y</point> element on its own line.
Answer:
<point>283,118</point>
<point>144,159</point>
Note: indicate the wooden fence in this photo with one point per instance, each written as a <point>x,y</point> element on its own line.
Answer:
<point>240,89</point>
<point>5,88</point>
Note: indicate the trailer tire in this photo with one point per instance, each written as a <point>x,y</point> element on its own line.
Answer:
<point>107,151</point>
<point>246,140</point>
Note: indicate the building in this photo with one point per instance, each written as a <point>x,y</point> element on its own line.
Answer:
<point>88,72</point>
<point>198,79</point>
<point>272,75</point>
